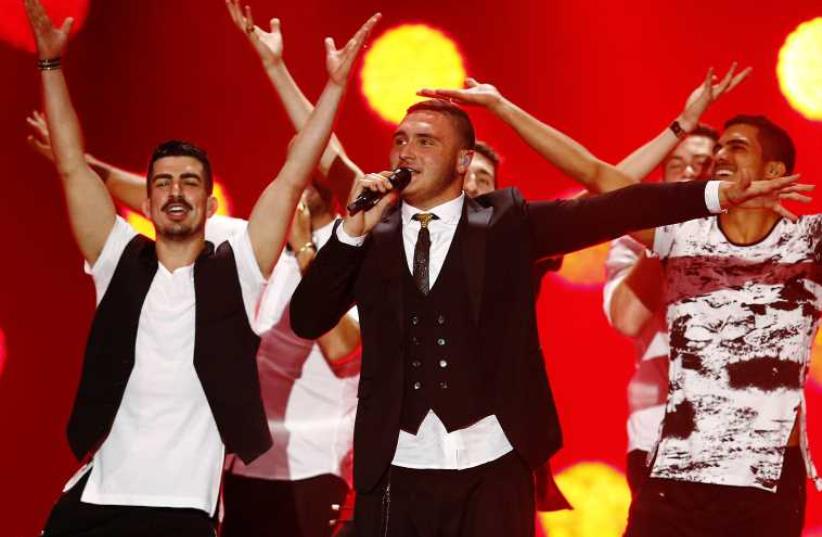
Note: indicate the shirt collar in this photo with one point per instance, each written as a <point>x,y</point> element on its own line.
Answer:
<point>449,212</point>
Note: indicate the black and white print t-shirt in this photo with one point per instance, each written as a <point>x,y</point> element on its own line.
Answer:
<point>742,321</point>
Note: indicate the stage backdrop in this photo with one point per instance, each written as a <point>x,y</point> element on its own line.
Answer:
<point>610,74</point>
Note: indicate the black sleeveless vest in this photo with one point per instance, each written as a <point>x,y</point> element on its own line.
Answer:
<point>225,350</point>
<point>441,373</point>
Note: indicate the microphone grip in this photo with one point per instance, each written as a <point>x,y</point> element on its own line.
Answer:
<point>368,198</point>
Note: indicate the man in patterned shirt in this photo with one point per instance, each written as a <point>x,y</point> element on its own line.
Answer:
<point>743,299</point>
<point>632,301</point>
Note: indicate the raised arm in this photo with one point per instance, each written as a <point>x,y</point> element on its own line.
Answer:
<point>271,216</point>
<point>573,159</point>
<point>128,188</point>
<point>635,297</point>
<point>269,47</point>
<point>90,208</point>
<point>645,159</point>
<point>570,157</point>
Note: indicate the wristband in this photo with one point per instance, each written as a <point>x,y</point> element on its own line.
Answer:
<point>307,246</point>
<point>51,64</point>
<point>677,129</point>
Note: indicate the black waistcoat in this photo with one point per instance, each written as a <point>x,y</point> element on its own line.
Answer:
<point>225,350</point>
<point>439,351</point>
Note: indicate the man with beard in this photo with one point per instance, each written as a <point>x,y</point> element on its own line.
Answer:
<point>169,380</point>
<point>308,387</point>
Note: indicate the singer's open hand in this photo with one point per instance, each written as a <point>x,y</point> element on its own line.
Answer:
<point>364,221</point>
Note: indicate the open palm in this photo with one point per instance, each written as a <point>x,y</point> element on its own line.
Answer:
<point>475,93</point>
<point>709,91</point>
<point>269,45</point>
<point>746,193</point>
<point>51,41</point>
<point>339,61</point>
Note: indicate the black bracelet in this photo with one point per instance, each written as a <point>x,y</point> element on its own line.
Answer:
<point>51,64</point>
<point>677,129</point>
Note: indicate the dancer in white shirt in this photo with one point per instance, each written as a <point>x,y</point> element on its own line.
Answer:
<point>157,374</point>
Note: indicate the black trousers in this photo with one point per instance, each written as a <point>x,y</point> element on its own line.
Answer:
<point>668,508</point>
<point>72,517</point>
<point>492,500</point>
<point>269,508</point>
<point>637,470</point>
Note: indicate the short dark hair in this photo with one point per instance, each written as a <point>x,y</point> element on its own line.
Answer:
<point>179,148</point>
<point>488,152</point>
<point>706,131</point>
<point>457,115</point>
<point>775,141</point>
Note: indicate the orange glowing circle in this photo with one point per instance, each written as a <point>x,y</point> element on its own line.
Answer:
<point>816,360</point>
<point>402,61</point>
<point>14,26</point>
<point>600,497</point>
<point>144,226</point>
<point>799,69</point>
<point>585,267</point>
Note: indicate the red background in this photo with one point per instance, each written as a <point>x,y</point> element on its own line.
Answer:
<point>610,74</point>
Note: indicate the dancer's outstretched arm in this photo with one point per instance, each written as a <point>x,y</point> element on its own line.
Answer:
<point>272,214</point>
<point>126,187</point>
<point>645,159</point>
<point>269,47</point>
<point>90,208</point>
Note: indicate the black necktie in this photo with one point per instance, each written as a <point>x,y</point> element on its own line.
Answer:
<point>421,251</point>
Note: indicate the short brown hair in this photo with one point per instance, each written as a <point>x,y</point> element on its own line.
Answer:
<point>457,115</point>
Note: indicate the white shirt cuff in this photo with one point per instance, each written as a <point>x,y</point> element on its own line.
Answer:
<point>345,238</point>
<point>712,197</point>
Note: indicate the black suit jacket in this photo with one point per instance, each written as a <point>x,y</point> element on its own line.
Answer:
<point>503,236</point>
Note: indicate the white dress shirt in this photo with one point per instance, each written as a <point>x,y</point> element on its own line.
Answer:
<point>433,447</point>
<point>163,449</point>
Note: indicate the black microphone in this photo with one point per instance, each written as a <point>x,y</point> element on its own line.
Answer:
<point>399,179</point>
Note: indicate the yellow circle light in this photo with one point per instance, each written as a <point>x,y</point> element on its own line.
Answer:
<point>600,497</point>
<point>404,60</point>
<point>585,267</point>
<point>799,69</point>
<point>144,226</point>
